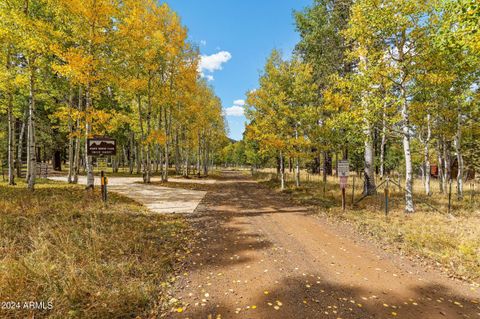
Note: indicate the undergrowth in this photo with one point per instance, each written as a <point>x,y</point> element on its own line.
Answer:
<point>62,245</point>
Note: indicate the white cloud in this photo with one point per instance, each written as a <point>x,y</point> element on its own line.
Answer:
<point>209,77</point>
<point>235,110</point>
<point>213,62</point>
<point>239,102</point>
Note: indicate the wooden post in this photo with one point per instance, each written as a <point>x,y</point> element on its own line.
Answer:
<point>344,200</point>
<point>103,182</point>
<point>102,175</point>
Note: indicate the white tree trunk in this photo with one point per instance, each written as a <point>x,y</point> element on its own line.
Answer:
<point>447,164</point>
<point>282,173</point>
<point>71,159</point>
<point>206,162</point>
<point>88,131</point>
<point>142,138</point>
<point>11,132</point>
<point>440,168</point>
<point>185,167</point>
<point>31,156</point>
<point>458,150</point>
<point>383,143</point>
<point>369,185</point>
<point>199,152</point>
<point>168,123</point>
<point>426,157</point>
<point>427,170</point>
<point>297,165</point>
<point>138,157</point>
<point>426,154</point>
<point>20,144</point>
<point>131,153</point>
<point>11,142</point>
<point>409,208</point>
<point>76,163</point>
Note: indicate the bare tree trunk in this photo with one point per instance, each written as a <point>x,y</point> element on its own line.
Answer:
<point>282,171</point>
<point>11,131</point>
<point>447,163</point>
<point>70,140</point>
<point>124,157</point>
<point>369,184</point>
<point>159,150</point>
<point>440,168</point>
<point>206,161</point>
<point>142,135</point>
<point>160,160</point>
<point>383,143</point>
<point>88,132</point>
<point>11,141</point>
<point>148,168</point>
<point>185,168</point>
<point>31,156</point>
<point>115,163</point>
<point>427,169</point>
<point>369,187</point>
<point>426,155</point>
<point>409,208</point>
<point>199,153</point>
<point>131,153</point>
<point>325,167</point>
<point>168,123</point>
<point>76,164</point>
<point>422,173</point>
<point>458,149</point>
<point>156,156</point>
<point>297,164</point>
<point>20,144</point>
<point>138,157</point>
<point>177,153</point>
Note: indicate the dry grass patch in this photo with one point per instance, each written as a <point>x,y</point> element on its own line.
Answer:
<point>62,245</point>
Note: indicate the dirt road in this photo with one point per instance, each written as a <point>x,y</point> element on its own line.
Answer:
<point>157,199</point>
<point>259,257</point>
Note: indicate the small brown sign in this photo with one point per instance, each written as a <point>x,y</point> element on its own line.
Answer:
<point>101,146</point>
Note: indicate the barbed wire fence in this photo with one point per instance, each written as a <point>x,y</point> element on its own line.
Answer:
<point>389,191</point>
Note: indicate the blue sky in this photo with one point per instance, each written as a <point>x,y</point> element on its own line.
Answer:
<point>235,38</point>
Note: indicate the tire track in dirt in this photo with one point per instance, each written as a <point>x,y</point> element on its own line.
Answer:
<point>258,256</point>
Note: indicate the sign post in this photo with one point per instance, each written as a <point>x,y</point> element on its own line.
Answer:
<point>104,183</point>
<point>343,170</point>
<point>102,146</point>
<point>99,146</point>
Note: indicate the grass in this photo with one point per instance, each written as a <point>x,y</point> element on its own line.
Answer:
<point>450,241</point>
<point>62,245</point>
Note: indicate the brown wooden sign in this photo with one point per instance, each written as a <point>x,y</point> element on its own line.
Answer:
<point>99,146</point>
